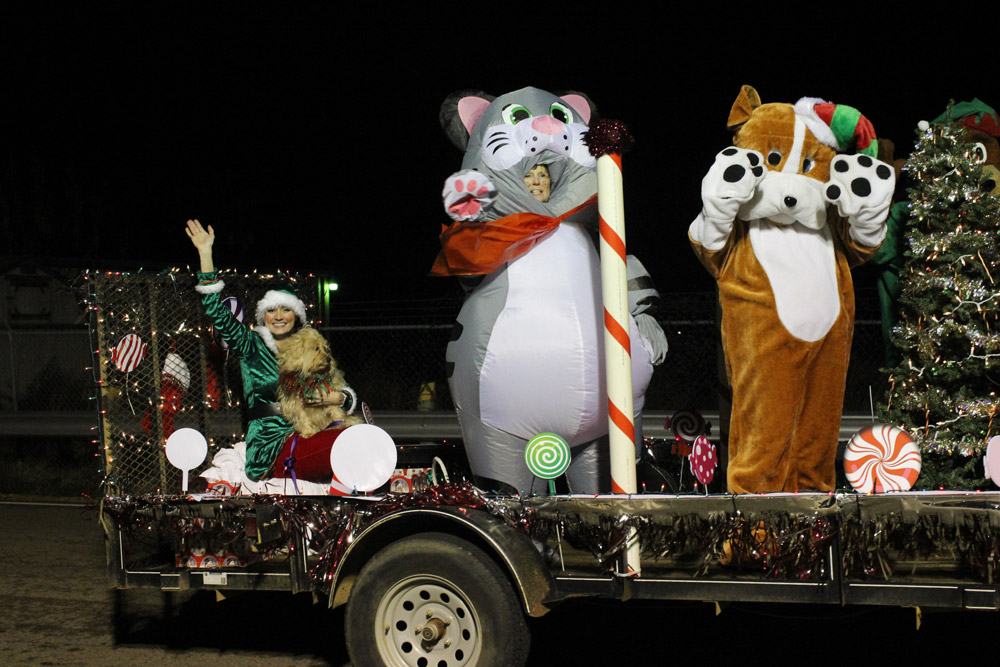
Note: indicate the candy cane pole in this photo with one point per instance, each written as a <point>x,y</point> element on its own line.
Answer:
<point>607,140</point>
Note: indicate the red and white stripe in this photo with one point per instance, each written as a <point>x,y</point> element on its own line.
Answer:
<point>617,346</point>
<point>130,351</point>
<point>882,458</point>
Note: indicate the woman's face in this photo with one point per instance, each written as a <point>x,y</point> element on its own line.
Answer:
<point>280,321</point>
<point>538,183</point>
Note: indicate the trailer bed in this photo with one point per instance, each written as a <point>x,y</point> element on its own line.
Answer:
<point>932,549</point>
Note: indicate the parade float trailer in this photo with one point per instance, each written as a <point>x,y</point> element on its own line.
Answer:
<point>431,567</point>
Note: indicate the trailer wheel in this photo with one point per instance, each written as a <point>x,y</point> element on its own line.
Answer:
<point>434,600</point>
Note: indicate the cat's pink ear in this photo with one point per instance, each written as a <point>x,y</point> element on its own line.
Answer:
<point>579,104</point>
<point>470,109</point>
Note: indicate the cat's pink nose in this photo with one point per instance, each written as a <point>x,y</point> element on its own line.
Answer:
<point>546,125</point>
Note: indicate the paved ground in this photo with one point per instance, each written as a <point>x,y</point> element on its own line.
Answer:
<point>57,610</point>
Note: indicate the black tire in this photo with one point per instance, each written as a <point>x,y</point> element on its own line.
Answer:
<point>434,600</point>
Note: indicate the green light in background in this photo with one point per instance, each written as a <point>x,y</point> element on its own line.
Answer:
<point>326,288</point>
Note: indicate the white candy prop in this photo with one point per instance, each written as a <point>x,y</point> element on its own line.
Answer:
<point>363,458</point>
<point>607,140</point>
<point>130,351</point>
<point>617,346</point>
<point>703,459</point>
<point>992,459</point>
<point>882,458</point>
<point>186,449</point>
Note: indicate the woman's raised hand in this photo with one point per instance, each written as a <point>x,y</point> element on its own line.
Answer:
<point>203,241</point>
<point>199,237</point>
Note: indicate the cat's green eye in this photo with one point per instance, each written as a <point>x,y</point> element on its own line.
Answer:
<point>513,114</point>
<point>561,112</point>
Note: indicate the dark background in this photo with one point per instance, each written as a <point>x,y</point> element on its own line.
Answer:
<point>307,134</point>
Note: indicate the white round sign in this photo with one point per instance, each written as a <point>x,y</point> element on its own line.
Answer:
<point>363,457</point>
<point>186,449</point>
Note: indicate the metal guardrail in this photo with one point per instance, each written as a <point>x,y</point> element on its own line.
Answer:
<point>63,424</point>
<point>401,425</point>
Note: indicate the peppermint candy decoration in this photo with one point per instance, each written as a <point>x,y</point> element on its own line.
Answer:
<point>687,425</point>
<point>236,308</point>
<point>221,487</point>
<point>547,455</point>
<point>130,351</point>
<point>882,458</point>
<point>703,460</point>
<point>991,461</point>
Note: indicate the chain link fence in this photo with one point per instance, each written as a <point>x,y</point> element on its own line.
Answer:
<point>162,367</point>
<point>159,367</point>
<point>393,356</point>
<point>393,353</point>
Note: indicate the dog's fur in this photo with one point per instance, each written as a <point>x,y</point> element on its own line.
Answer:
<point>307,370</point>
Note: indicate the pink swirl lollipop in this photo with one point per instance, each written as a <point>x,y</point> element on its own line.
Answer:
<point>703,460</point>
<point>882,458</point>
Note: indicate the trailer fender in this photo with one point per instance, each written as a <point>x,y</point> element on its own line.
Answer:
<point>512,550</point>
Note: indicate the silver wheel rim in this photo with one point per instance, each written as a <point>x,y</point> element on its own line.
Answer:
<point>422,607</point>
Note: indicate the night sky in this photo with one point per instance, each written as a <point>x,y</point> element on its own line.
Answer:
<point>310,140</point>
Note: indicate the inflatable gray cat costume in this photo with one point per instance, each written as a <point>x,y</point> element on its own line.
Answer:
<point>528,357</point>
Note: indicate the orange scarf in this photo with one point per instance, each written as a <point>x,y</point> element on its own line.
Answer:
<point>476,248</point>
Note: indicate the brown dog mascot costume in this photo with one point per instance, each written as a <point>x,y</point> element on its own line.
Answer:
<point>785,215</point>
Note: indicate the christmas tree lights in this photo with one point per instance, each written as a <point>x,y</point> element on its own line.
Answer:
<point>944,389</point>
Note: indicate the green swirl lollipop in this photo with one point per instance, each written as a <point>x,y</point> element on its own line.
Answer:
<point>547,456</point>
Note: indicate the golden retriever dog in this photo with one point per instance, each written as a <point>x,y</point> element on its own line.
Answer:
<point>307,371</point>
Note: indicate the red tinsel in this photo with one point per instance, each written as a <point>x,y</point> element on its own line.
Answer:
<point>608,136</point>
<point>308,386</point>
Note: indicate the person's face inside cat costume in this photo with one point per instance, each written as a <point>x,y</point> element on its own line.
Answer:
<point>538,183</point>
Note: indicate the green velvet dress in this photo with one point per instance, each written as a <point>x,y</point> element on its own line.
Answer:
<point>258,361</point>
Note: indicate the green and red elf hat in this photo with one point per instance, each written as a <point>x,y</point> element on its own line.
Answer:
<point>838,126</point>
<point>974,115</point>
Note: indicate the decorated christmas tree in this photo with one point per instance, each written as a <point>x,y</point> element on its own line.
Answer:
<point>944,390</point>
